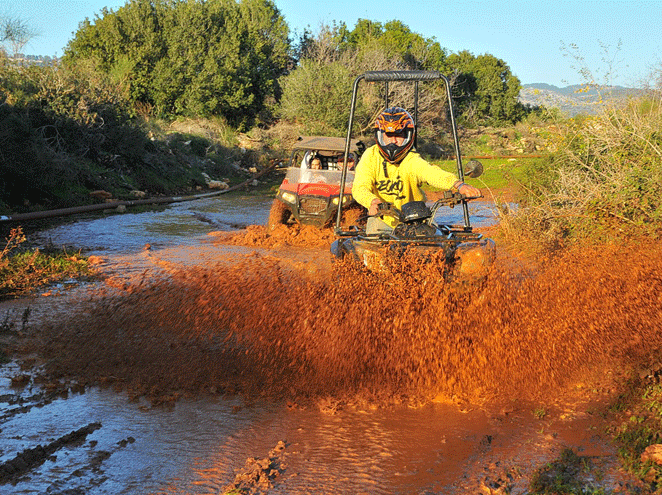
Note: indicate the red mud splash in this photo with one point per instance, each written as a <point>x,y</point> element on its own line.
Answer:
<point>255,328</point>
<point>286,235</point>
<point>295,235</point>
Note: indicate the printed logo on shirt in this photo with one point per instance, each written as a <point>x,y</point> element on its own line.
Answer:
<point>387,187</point>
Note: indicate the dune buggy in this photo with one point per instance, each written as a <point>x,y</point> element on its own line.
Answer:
<point>467,254</point>
<point>310,192</point>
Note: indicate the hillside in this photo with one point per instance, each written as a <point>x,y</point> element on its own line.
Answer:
<point>575,99</point>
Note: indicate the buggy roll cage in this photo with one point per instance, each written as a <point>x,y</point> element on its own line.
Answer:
<point>414,76</point>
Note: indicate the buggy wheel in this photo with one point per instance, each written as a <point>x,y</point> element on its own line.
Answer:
<point>278,215</point>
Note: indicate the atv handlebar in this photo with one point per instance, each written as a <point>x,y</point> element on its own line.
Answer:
<point>387,209</point>
<point>449,199</point>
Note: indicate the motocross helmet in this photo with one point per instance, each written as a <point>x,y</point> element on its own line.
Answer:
<point>394,120</point>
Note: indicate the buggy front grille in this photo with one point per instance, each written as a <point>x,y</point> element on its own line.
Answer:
<point>312,206</point>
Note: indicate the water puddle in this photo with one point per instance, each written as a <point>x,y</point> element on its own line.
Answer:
<point>186,223</point>
<point>196,446</point>
<point>176,224</point>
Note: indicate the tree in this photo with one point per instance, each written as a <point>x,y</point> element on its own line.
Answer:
<point>317,93</point>
<point>15,32</point>
<point>191,58</point>
<point>485,88</point>
<point>398,41</point>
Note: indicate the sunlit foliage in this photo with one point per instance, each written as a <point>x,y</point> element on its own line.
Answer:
<point>316,93</point>
<point>190,58</point>
<point>604,180</point>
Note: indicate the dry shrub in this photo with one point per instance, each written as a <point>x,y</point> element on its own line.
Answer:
<point>281,135</point>
<point>604,180</point>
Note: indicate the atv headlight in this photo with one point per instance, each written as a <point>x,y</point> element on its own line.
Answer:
<point>289,197</point>
<point>345,199</point>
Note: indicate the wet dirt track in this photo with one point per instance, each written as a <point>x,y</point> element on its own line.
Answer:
<point>375,385</point>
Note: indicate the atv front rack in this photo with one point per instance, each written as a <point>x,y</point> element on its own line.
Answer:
<point>450,233</point>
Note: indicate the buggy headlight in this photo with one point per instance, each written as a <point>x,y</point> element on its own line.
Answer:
<point>345,199</point>
<point>289,197</point>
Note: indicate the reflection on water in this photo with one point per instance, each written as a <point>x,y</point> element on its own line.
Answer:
<point>181,223</point>
<point>196,446</point>
<point>187,222</point>
<point>481,213</point>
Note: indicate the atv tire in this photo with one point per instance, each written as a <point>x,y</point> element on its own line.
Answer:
<point>278,215</point>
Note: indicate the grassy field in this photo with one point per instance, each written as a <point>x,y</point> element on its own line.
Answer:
<point>501,176</point>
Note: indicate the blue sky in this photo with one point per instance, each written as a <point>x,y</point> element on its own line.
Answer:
<point>618,41</point>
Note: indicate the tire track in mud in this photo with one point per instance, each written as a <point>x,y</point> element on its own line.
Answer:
<point>30,458</point>
<point>253,326</point>
<point>20,466</point>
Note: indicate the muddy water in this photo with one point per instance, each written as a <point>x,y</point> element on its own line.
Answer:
<point>197,445</point>
<point>232,343</point>
<point>177,224</point>
<point>185,223</point>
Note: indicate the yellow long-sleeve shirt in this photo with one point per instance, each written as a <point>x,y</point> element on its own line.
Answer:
<point>396,184</point>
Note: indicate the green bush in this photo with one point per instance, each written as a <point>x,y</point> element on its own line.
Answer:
<point>65,132</point>
<point>23,271</point>
<point>190,58</point>
<point>317,96</point>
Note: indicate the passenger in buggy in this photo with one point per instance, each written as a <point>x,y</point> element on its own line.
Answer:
<point>337,164</point>
<point>309,165</point>
<point>307,158</point>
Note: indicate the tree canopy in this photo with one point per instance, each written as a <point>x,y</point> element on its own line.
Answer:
<point>486,89</point>
<point>234,58</point>
<point>316,93</point>
<point>192,58</point>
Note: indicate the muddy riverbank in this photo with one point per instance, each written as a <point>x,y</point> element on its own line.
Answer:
<point>203,349</point>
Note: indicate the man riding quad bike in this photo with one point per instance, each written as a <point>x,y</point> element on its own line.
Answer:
<point>387,183</point>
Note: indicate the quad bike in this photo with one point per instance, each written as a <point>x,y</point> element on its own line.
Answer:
<point>310,196</point>
<point>467,254</point>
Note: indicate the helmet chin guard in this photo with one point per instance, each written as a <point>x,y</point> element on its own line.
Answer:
<point>394,120</point>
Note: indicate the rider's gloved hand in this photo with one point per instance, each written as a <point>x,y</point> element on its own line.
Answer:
<point>467,190</point>
<point>374,207</point>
